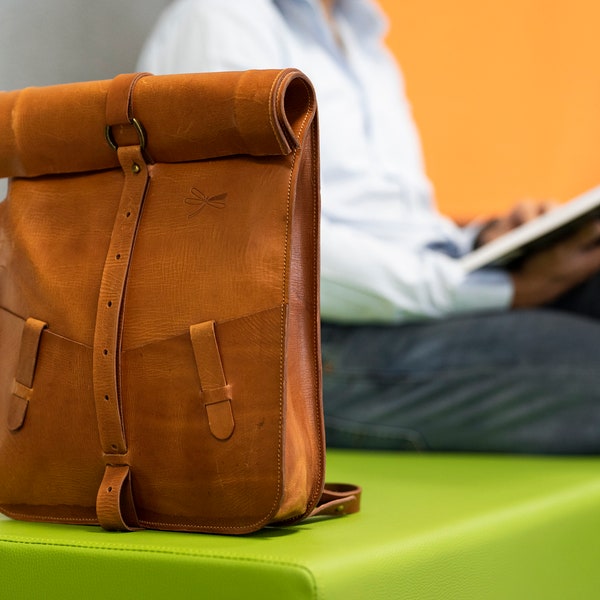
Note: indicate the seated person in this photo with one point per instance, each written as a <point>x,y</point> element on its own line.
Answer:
<point>416,353</point>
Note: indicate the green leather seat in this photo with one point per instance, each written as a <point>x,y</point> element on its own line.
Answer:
<point>431,526</point>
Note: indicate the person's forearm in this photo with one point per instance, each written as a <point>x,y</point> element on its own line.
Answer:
<point>550,273</point>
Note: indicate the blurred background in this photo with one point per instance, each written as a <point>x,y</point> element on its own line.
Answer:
<point>506,94</point>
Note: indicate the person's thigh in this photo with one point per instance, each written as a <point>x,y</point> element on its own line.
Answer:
<point>520,381</point>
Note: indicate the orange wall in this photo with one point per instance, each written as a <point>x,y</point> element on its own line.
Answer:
<point>506,95</point>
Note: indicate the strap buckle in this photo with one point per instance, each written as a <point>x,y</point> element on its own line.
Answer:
<point>138,129</point>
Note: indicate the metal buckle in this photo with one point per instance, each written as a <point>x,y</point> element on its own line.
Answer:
<point>138,128</point>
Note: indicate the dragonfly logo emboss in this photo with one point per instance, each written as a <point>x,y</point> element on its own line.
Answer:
<point>199,201</point>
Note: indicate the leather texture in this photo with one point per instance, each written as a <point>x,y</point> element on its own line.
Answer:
<point>432,527</point>
<point>159,317</point>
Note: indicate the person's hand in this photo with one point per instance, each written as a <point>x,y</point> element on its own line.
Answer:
<point>549,273</point>
<point>522,212</point>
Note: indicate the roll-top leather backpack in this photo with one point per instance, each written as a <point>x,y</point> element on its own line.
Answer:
<point>159,314</point>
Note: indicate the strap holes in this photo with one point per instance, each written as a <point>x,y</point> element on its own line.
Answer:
<point>113,446</point>
<point>105,352</point>
<point>109,489</point>
<point>128,214</point>
<point>118,256</point>
<point>106,397</point>
<point>109,303</point>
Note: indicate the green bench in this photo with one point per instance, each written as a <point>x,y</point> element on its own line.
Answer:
<point>431,526</point>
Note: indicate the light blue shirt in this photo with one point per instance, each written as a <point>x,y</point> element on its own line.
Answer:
<point>387,255</point>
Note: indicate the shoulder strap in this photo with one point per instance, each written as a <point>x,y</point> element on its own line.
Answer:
<point>338,499</point>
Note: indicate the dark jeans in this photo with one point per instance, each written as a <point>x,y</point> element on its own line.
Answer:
<point>516,381</point>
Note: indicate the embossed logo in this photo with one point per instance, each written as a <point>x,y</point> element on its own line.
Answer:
<point>200,201</point>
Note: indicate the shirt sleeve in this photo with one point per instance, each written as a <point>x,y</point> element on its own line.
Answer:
<point>367,279</point>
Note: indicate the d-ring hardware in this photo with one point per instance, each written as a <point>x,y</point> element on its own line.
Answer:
<point>138,128</point>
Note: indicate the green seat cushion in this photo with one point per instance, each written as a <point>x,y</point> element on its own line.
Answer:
<point>431,526</point>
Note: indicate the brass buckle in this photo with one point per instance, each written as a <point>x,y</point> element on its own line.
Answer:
<point>138,128</point>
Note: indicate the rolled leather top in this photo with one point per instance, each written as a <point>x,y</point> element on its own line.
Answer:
<point>61,128</point>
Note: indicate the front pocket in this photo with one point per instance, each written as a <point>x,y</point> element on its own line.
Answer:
<point>186,473</point>
<point>51,460</point>
<point>179,466</point>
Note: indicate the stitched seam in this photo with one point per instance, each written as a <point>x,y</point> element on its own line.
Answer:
<point>11,313</point>
<point>316,217</point>
<point>316,491</point>
<point>47,330</point>
<point>185,330</point>
<point>306,116</point>
<point>317,488</point>
<point>275,83</point>
<point>282,346</point>
<point>29,517</point>
<point>310,108</point>
<point>214,528</point>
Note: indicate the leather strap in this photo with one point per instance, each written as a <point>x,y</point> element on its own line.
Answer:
<point>114,503</point>
<point>216,393</point>
<point>338,499</point>
<point>115,506</point>
<point>122,129</point>
<point>107,335</point>
<point>119,102</point>
<point>23,382</point>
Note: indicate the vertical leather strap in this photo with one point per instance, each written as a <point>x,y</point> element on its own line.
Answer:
<point>107,335</point>
<point>115,501</point>
<point>216,393</point>
<point>122,129</point>
<point>114,504</point>
<point>23,382</point>
<point>119,103</point>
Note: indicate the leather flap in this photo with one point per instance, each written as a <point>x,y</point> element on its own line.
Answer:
<point>61,129</point>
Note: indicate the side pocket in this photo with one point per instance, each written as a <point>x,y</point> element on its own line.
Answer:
<point>23,382</point>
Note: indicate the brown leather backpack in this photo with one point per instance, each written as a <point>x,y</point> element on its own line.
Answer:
<point>159,315</point>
